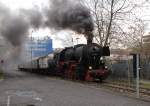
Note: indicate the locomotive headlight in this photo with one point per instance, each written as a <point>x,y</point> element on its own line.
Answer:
<point>90,67</point>
<point>106,67</point>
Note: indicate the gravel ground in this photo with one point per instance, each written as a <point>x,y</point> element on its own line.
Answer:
<point>25,89</point>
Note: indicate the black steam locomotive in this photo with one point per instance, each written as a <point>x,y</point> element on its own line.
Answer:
<point>80,62</point>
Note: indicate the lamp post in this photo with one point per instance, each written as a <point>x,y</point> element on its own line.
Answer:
<point>72,42</point>
<point>77,40</point>
<point>31,52</point>
<point>31,44</point>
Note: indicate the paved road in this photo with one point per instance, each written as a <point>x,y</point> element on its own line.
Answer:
<point>24,89</point>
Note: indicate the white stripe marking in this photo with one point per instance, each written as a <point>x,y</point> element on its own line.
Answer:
<point>8,101</point>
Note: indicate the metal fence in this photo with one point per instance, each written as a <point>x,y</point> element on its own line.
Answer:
<point>122,74</point>
<point>123,68</point>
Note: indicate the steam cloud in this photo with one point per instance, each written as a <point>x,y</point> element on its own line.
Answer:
<point>14,29</point>
<point>61,14</point>
<point>69,14</point>
<point>34,16</point>
<point>15,26</point>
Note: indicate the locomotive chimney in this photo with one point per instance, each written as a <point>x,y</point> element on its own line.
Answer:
<point>89,36</point>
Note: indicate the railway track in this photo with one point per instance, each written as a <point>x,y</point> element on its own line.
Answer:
<point>128,89</point>
<point>122,88</point>
<point>143,91</point>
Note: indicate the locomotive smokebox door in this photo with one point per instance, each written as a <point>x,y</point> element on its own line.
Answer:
<point>106,51</point>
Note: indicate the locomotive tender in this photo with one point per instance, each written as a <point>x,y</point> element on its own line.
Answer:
<point>80,62</point>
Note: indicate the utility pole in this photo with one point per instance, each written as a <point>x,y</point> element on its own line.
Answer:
<point>2,65</point>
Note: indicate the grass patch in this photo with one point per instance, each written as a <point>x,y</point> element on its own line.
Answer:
<point>145,84</point>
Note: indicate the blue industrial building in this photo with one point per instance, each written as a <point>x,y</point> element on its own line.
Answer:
<point>39,47</point>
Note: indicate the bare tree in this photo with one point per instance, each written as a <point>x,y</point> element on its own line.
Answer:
<point>111,18</point>
<point>132,37</point>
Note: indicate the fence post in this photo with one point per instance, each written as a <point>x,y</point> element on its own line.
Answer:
<point>136,68</point>
<point>137,76</point>
<point>129,75</point>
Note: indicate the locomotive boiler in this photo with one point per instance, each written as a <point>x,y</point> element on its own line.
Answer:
<point>79,62</point>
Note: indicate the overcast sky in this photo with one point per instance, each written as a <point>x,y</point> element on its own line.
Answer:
<point>16,4</point>
<point>62,39</point>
